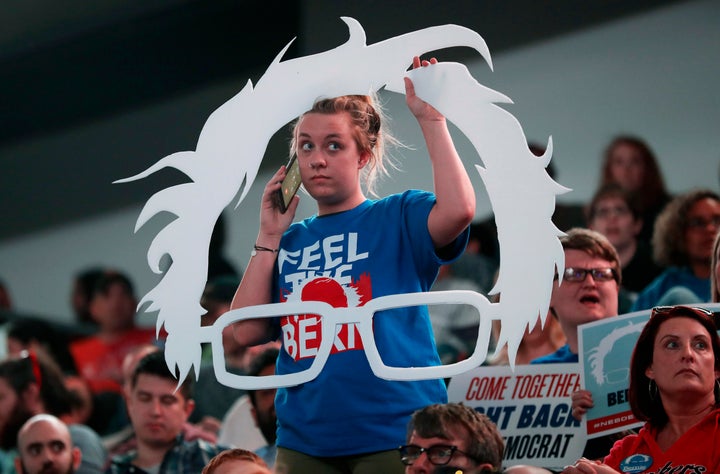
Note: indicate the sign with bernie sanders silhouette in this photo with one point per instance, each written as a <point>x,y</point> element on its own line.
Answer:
<point>605,350</point>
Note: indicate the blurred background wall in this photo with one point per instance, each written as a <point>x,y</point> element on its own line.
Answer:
<point>101,95</point>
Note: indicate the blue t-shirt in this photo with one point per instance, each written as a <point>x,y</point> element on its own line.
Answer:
<point>670,278</point>
<point>560,356</point>
<point>378,248</point>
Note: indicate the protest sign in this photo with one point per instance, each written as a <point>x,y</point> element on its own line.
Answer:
<point>531,408</point>
<point>605,348</point>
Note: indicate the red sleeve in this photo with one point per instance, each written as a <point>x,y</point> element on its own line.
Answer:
<point>620,450</point>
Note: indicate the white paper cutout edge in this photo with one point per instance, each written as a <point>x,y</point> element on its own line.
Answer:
<point>233,140</point>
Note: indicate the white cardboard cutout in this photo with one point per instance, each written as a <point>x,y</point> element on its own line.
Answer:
<point>231,147</point>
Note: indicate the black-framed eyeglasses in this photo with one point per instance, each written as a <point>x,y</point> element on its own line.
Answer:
<point>574,274</point>
<point>438,454</point>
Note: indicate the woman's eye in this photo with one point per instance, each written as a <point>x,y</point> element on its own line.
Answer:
<point>334,146</point>
<point>671,344</point>
<point>306,146</point>
<point>701,345</point>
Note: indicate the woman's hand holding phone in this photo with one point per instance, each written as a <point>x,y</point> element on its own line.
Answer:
<point>289,186</point>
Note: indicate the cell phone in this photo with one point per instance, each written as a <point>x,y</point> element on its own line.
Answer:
<point>289,186</point>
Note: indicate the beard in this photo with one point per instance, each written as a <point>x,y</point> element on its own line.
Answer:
<point>9,431</point>
<point>49,468</point>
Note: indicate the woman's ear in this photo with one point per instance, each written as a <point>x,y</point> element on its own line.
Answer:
<point>364,158</point>
<point>649,373</point>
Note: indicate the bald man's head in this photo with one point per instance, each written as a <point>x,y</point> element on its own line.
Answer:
<point>44,445</point>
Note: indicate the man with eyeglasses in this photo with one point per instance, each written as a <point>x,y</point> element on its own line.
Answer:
<point>451,438</point>
<point>588,292</point>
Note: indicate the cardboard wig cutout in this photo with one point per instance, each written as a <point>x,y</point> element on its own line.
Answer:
<point>228,156</point>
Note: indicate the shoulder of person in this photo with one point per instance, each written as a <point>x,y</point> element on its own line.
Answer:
<point>121,462</point>
<point>85,343</point>
<point>200,445</point>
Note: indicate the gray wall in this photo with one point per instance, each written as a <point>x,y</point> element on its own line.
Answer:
<point>654,75</point>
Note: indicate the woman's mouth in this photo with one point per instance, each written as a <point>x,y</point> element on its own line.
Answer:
<point>590,299</point>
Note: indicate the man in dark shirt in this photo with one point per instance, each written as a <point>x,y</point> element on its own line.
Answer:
<point>158,410</point>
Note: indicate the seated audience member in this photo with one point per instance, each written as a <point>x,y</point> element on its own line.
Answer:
<point>83,286</point>
<point>122,439</point>
<point>588,292</point>
<point>614,213</point>
<point>213,399</point>
<point>674,389</point>
<point>452,438</point>
<point>236,461</point>
<point>715,271</point>
<point>682,242</point>
<point>479,262</point>
<point>39,336</point>
<point>31,386</point>
<point>239,427</point>
<point>158,411</point>
<point>455,326</point>
<point>45,447</point>
<point>263,403</point>
<point>536,342</point>
<point>629,162</point>
<point>99,357</point>
<point>82,403</point>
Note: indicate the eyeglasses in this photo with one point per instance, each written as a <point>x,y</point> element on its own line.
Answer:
<point>617,375</point>
<point>679,310</point>
<point>696,223</point>
<point>605,212</point>
<point>330,320</point>
<point>573,274</point>
<point>438,454</point>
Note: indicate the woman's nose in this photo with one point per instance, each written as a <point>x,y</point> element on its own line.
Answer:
<point>687,351</point>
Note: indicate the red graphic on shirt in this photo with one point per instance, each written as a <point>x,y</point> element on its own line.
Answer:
<point>302,333</point>
<point>363,286</point>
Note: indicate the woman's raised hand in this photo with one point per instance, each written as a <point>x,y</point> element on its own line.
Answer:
<point>419,108</point>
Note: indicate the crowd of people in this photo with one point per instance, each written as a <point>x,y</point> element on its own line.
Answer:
<point>104,399</point>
